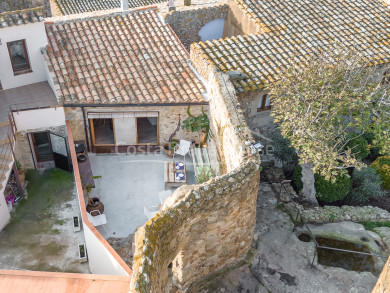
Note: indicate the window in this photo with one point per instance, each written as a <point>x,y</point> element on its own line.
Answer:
<point>264,103</point>
<point>147,130</point>
<point>19,57</point>
<point>102,131</point>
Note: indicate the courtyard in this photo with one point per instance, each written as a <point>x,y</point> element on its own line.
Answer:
<point>128,184</point>
<point>40,234</point>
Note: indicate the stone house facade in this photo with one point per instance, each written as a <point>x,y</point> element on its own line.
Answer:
<point>263,38</point>
<point>128,95</point>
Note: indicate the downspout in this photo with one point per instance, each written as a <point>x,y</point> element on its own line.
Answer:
<point>85,129</point>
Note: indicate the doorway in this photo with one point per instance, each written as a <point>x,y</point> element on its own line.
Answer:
<point>103,132</point>
<point>42,147</point>
<point>147,130</point>
<point>50,151</point>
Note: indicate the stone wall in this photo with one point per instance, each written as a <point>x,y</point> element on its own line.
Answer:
<point>168,119</point>
<point>24,148</point>
<point>239,21</point>
<point>187,23</point>
<point>333,214</point>
<point>326,214</point>
<point>202,228</point>
<point>11,5</point>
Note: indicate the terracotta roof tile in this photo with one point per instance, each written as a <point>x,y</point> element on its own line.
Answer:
<point>113,59</point>
<point>67,7</point>
<point>19,17</point>
<point>294,29</point>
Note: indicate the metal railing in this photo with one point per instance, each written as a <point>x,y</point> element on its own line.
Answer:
<point>299,214</point>
<point>7,142</point>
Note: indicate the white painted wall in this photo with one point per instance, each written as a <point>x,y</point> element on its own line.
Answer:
<point>212,30</point>
<point>35,36</point>
<point>39,118</point>
<point>125,131</point>
<point>49,78</point>
<point>100,260</point>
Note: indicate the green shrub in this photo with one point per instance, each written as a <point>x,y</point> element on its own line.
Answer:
<point>366,184</point>
<point>284,152</point>
<point>382,167</point>
<point>374,151</point>
<point>372,225</point>
<point>328,191</point>
<point>204,174</point>
<point>297,179</point>
<point>358,145</point>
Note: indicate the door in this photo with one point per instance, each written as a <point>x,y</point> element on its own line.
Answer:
<point>60,152</point>
<point>42,147</point>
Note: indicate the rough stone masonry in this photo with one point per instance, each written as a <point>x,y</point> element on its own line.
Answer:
<point>187,23</point>
<point>203,228</point>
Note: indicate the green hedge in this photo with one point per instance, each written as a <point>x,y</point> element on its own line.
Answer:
<point>382,167</point>
<point>327,191</point>
<point>359,146</point>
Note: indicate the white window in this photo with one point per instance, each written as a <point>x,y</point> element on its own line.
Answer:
<point>264,103</point>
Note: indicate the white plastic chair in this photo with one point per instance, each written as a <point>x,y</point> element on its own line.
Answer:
<point>182,148</point>
<point>162,195</point>
<point>99,220</point>
<point>150,212</point>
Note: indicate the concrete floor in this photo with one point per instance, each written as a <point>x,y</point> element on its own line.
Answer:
<point>128,183</point>
<point>33,95</point>
<point>40,234</point>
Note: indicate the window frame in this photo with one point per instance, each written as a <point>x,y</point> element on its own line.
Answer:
<point>24,70</point>
<point>263,106</point>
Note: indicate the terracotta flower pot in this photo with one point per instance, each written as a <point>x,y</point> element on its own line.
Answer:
<point>22,178</point>
<point>97,205</point>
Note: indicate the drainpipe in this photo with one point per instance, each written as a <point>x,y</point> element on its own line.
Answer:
<point>85,129</point>
<point>125,5</point>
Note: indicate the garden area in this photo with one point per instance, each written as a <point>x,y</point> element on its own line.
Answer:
<point>332,131</point>
<point>369,185</point>
<point>40,234</point>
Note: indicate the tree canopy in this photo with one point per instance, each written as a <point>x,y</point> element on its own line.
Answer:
<point>318,103</point>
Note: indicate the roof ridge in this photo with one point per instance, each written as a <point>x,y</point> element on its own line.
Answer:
<point>32,9</point>
<point>97,14</point>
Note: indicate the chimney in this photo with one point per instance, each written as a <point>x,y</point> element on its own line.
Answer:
<point>125,5</point>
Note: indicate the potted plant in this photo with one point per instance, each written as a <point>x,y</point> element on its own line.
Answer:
<point>197,124</point>
<point>169,147</point>
<point>94,203</point>
<point>76,224</point>
<point>21,175</point>
<point>82,252</point>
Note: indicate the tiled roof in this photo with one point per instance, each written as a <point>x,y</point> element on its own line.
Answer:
<point>129,57</point>
<point>19,17</point>
<point>39,282</point>
<point>66,7</point>
<point>293,29</point>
